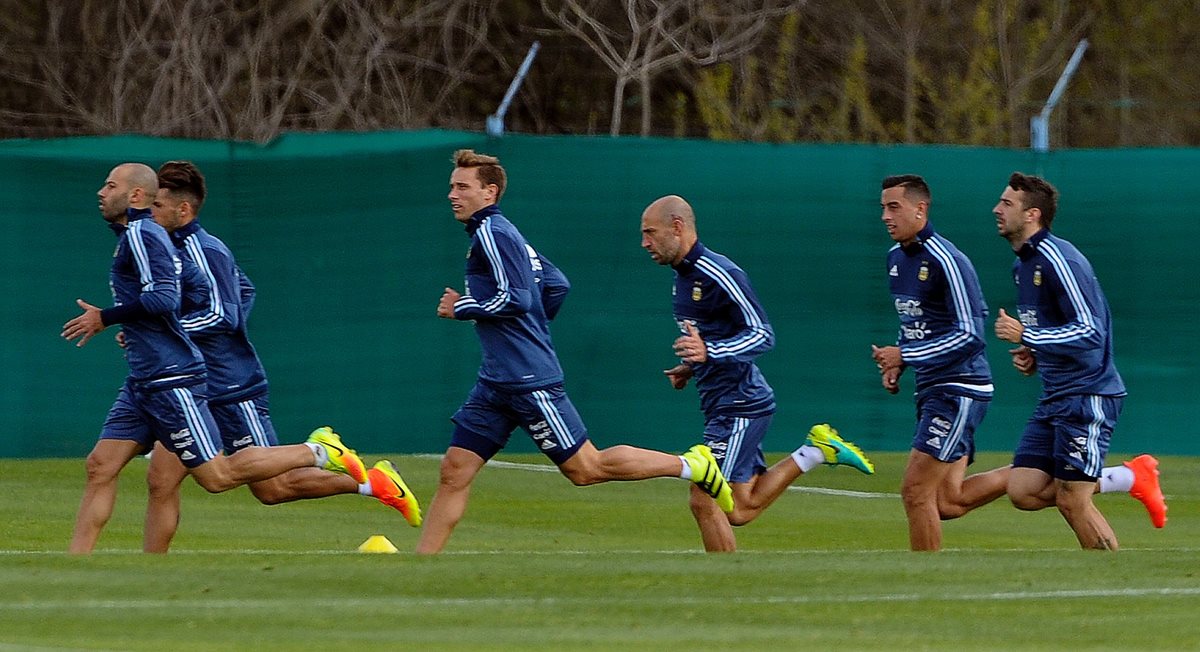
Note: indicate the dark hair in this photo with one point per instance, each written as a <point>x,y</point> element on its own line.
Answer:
<point>489,168</point>
<point>184,178</point>
<point>914,186</point>
<point>1039,194</point>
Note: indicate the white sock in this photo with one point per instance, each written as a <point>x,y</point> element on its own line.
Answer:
<point>686,473</point>
<point>365,489</point>
<point>320,457</point>
<point>808,458</point>
<point>1116,479</point>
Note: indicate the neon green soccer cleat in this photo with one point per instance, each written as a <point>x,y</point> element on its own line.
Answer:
<point>342,459</point>
<point>706,473</point>
<point>837,450</point>
<point>389,488</point>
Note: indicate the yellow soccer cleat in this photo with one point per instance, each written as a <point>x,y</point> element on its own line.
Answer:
<point>389,488</point>
<point>342,459</point>
<point>706,473</point>
<point>838,450</point>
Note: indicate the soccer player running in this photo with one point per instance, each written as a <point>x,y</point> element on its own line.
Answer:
<point>216,301</point>
<point>724,328</point>
<point>942,313</point>
<point>163,397</point>
<point>1065,334</point>
<point>511,294</point>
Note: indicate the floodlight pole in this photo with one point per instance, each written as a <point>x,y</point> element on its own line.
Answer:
<point>1039,125</point>
<point>495,121</point>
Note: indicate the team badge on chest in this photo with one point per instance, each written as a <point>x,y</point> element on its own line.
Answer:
<point>696,293</point>
<point>923,273</point>
<point>1037,276</point>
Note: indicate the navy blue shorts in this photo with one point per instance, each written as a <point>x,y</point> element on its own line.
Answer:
<point>488,417</point>
<point>736,443</point>
<point>178,417</point>
<point>245,423</point>
<point>1068,437</point>
<point>946,425</point>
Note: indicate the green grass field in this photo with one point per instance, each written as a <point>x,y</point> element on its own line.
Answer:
<point>540,565</point>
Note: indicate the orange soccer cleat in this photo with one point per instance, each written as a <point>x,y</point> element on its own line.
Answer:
<point>389,488</point>
<point>1146,488</point>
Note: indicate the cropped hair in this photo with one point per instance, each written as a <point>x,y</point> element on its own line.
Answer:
<point>914,186</point>
<point>184,178</point>
<point>489,169</point>
<point>1039,194</point>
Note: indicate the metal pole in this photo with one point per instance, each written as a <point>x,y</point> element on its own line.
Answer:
<point>1039,125</point>
<point>495,121</point>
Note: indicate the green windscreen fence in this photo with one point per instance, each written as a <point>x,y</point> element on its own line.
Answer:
<point>350,241</point>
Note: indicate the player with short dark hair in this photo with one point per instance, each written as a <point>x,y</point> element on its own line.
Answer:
<point>217,297</point>
<point>938,299</point>
<point>1064,333</point>
<point>163,398</point>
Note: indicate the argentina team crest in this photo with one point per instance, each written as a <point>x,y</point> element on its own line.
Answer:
<point>696,293</point>
<point>923,273</point>
<point>1037,275</point>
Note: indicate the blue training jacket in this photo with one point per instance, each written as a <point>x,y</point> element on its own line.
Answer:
<point>511,293</point>
<point>145,288</point>
<point>942,315</point>
<point>714,295</point>
<point>1067,321</point>
<point>217,297</point>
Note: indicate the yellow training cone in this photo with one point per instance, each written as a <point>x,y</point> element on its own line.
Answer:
<point>377,543</point>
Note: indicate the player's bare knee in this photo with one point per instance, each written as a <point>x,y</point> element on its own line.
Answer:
<point>214,477</point>
<point>453,477</point>
<point>950,511</point>
<point>581,476</point>
<point>102,469</point>
<point>269,492</point>
<point>1026,502</point>
<point>741,517</point>
<point>160,486</point>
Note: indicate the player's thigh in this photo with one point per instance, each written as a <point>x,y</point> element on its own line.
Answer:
<point>925,476</point>
<point>1030,487</point>
<point>165,472</point>
<point>736,444</point>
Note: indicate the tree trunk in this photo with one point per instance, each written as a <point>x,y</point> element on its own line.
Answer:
<point>614,127</point>
<point>644,82</point>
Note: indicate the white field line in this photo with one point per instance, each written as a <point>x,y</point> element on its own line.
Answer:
<point>547,468</point>
<point>401,602</point>
<point>589,552</point>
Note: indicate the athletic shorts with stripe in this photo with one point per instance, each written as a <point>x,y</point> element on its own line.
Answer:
<point>245,423</point>
<point>490,414</point>
<point>946,424</point>
<point>736,443</point>
<point>177,416</point>
<point>1068,437</point>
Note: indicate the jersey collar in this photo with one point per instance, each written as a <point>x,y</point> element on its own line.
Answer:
<point>918,242</point>
<point>1028,249</point>
<point>182,233</point>
<point>476,220</point>
<point>690,258</point>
